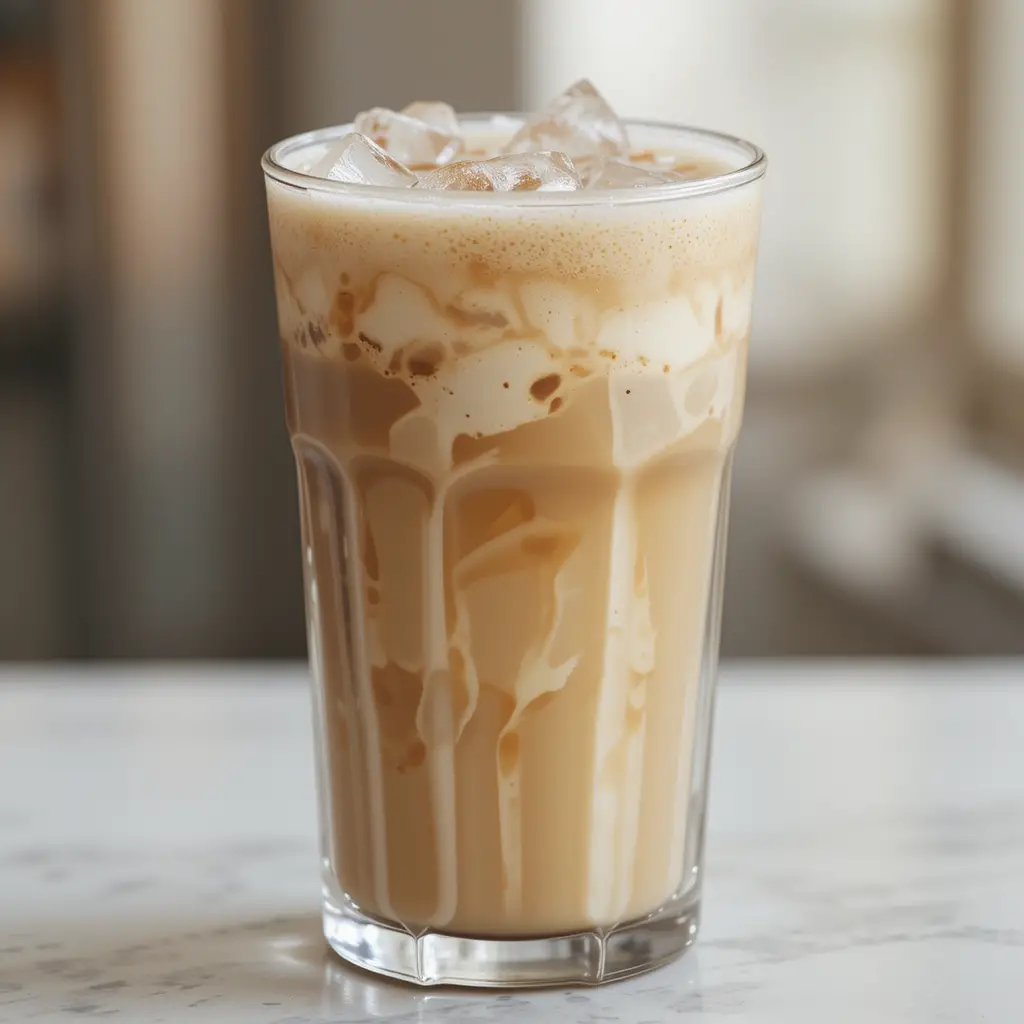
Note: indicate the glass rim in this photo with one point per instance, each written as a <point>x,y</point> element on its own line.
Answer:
<point>754,168</point>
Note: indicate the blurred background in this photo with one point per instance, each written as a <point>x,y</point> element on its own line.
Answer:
<point>147,495</point>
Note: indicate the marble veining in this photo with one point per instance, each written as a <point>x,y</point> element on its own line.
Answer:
<point>866,858</point>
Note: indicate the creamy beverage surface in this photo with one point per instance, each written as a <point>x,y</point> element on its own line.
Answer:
<point>513,391</point>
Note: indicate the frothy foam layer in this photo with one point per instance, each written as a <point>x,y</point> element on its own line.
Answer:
<point>495,318</point>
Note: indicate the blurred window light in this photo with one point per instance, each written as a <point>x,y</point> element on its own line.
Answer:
<point>847,98</point>
<point>996,247</point>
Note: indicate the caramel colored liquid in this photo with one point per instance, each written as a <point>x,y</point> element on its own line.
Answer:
<point>511,500</point>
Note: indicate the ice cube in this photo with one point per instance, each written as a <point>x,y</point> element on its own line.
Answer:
<point>608,172</point>
<point>527,172</point>
<point>578,123</point>
<point>429,136</point>
<point>358,160</point>
<point>438,115</point>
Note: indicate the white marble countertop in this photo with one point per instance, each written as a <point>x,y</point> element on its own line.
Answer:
<point>866,855</point>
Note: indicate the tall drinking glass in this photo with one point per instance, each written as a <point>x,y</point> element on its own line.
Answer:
<point>513,417</point>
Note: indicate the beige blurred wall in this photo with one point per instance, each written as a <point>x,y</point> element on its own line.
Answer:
<point>349,55</point>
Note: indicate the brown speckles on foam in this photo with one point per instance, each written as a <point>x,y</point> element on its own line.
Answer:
<point>481,273</point>
<point>424,360</point>
<point>544,387</point>
<point>342,310</point>
<point>481,317</point>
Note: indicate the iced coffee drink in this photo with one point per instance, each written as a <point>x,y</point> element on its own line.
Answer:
<point>515,353</point>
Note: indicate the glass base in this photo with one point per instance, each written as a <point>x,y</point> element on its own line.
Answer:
<point>583,958</point>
